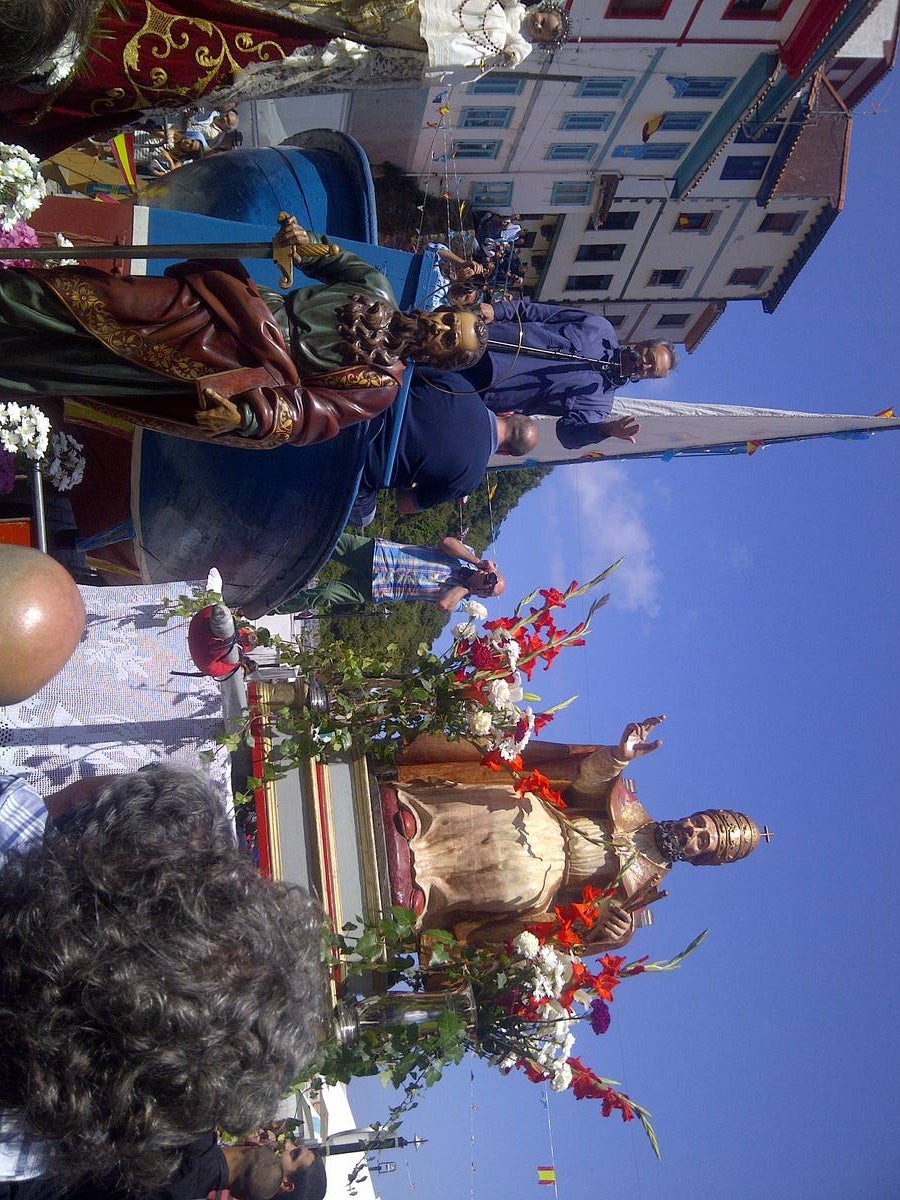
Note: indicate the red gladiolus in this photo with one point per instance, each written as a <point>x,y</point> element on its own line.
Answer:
<point>554,598</point>
<point>613,1100</point>
<point>590,893</point>
<point>542,719</point>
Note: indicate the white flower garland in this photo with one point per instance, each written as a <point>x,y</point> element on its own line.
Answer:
<point>21,187</point>
<point>65,470</point>
<point>23,428</point>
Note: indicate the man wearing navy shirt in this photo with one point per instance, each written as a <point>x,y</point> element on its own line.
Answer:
<point>579,393</point>
<point>446,440</point>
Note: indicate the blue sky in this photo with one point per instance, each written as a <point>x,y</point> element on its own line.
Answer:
<point>757,608</point>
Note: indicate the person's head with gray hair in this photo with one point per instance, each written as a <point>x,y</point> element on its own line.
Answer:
<point>152,985</point>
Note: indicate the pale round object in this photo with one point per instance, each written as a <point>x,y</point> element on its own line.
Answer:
<point>41,621</point>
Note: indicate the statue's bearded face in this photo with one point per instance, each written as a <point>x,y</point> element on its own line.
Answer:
<point>688,840</point>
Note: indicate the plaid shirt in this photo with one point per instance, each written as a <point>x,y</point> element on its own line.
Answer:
<point>413,572</point>
<point>22,813</point>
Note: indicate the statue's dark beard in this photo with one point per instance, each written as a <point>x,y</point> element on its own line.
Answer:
<point>670,837</point>
<point>373,331</point>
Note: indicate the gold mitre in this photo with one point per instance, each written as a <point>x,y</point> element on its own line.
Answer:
<point>738,836</point>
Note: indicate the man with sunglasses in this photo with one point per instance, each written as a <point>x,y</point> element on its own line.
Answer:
<point>578,389</point>
<point>381,572</point>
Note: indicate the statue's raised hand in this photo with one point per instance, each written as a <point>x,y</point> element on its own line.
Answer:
<point>633,743</point>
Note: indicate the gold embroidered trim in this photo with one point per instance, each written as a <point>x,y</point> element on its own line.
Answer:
<point>91,311</point>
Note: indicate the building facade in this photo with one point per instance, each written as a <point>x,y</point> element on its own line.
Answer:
<point>669,158</point>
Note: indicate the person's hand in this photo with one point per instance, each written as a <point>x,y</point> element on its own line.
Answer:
<point>613,925</point>
<point>486,312</point>
<point>292,234</point>
<point>633,743</point>
<point>625,429</point>
<point>218,415</point>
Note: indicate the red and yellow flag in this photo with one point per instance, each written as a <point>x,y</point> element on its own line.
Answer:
<point>123,152</point>
<point>546,1175</point>
<point>651,127</point>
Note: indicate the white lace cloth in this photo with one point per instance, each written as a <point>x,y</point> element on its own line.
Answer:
<point>115,705</point>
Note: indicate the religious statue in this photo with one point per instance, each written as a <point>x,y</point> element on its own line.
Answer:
<point>480,859</point>
<point>202,352</point>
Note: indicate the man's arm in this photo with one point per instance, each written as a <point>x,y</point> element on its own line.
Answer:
<point>407,502</point>
<point>452,545</point>
<point>578,429</point>
<point>451,597</point>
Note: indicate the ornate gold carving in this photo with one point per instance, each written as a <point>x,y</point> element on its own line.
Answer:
<point>90,310</point>
<point>353,377</point>
<point>163,36</point>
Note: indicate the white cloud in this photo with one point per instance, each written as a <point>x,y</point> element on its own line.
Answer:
<point>606,514</point>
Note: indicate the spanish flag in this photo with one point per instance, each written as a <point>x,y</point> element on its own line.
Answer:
<point>546,1175</point>
<point>651,127</point>
<point>122,146</point>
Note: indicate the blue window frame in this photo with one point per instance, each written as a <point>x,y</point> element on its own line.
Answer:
<point>485,118</point>
<point>745,166</point>
<point>656,151</point>
<point>684,121</point>
<point>467,149</point>
<point>573,191</point>
<point>486,193</point>
<point>586,120</point>
<point>496,85</point>
<point>588,283</point>
<point>571,151</point>
<point>699,87</point>
<point>608,86</point>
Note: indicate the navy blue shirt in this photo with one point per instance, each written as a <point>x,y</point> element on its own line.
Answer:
<point>580,395</point>
<point>446,440</point>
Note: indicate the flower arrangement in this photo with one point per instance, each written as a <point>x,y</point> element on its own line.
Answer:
<point>21,187</point>
<point>529,996</point>
<point>23,428</point>
<point>473,691</point>
<point>65,468</point>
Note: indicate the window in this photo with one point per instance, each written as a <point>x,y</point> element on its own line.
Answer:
<point>620,218</point>
<point>488,193</point>
<point>755,10</point>
<point>529,237</point>
<point>571,151</point>
<point>468,149</point>
<point>570,192</point>
<point>485,118</point>
<point>687,121</point>
<point>586,120</point>
<point>496,85</point>
<point>606,86</point>
<point>669,277</point>
<point>748,276</point>
<point>764,137</point>
<point>694,221</point>
<point>652,151</point>
<point>745,166</point>
<point>600,252</point>
<point>588,283</point>
<point>673,321</point>
<point>547,232</point>
<point>538,262</point>
<point>699,87</point>
<point>638,8</point>
<point>615,319</point>
<point>781,222</point>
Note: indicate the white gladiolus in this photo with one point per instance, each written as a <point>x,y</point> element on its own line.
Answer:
<point>526,944</point>
<point>480,722</point>
<point>475,610</point>
<point>562,1077</point>
<point>464,630</point>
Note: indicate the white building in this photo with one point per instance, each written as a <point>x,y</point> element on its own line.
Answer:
<point>671,157</point>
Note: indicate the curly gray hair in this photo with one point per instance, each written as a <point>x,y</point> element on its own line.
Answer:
<point>152,984</point>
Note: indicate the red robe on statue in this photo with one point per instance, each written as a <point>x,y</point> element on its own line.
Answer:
<point>164,54</point>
